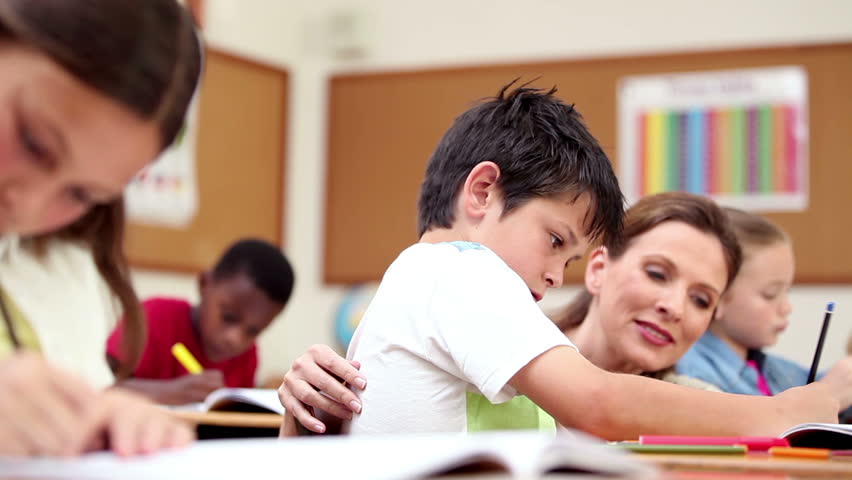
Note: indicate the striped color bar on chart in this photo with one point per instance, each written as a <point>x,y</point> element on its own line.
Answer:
<point>732,150</point>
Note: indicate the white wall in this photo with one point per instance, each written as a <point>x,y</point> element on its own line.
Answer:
<point>409,33</point>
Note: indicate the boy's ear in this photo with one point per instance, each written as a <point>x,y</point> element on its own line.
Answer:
<point>596,269</point>
<point>480,189</point>
<point>203,281</point>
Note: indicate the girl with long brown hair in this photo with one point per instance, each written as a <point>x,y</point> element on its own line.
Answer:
<point>90,92</point>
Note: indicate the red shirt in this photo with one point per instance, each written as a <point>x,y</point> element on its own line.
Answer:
<point>170,321</point>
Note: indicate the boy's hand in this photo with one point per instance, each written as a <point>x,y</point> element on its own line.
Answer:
<point>315,372</point>
<point>839,381</point>
<point>195,387</point>
<point>44,410</point>
<point>811,403</point>
<point>130,425</point>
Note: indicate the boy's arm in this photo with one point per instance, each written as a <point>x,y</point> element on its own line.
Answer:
<point>621,406</point>
<point>176,391</point>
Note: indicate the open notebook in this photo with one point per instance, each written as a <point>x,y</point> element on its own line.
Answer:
<point>264,400</point>
<point>522,454</point>
<point>836,436</point>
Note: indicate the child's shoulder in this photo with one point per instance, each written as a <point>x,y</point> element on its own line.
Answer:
<point>166,308</point>
<point>791,368</point>
<point>448,263</point>
<point>454,266</point>
<point>459,253</point>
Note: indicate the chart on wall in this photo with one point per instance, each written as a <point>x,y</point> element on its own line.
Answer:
<point>166,193</point>
<point>738,136</point>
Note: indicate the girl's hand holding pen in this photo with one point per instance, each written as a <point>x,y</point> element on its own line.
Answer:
<point>44,410</point>
<point>48,411</point>
<point>131,425</point>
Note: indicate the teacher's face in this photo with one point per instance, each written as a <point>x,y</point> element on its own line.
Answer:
<point>658,298</point>
<point>64,147</point>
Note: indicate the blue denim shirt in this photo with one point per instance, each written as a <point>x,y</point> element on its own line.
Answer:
<point>712,360</point>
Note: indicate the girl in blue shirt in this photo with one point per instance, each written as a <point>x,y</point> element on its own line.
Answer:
<point>750,316</point>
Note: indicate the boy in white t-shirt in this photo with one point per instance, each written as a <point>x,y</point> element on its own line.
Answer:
<point>516,190</point>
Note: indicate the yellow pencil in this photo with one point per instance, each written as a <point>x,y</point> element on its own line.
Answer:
<point>186,359</point>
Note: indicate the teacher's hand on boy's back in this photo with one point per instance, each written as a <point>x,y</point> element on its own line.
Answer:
<point>323,368</point>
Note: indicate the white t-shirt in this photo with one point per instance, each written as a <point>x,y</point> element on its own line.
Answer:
<point>66,302</point>
<point>447,319</point>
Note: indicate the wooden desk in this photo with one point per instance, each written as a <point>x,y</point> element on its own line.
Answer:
<point>715,467</point>
<point>751,466</point>
<point>230,419</point>
<point>212,425</point>
<point>754,466</point>
<point>215,460</point>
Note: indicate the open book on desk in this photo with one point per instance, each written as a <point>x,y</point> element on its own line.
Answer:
<point>387,457</point>
<point>255,400</point>
<point>836,436</point>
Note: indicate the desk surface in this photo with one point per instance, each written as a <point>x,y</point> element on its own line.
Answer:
<point>230,419</point>
<point>751,466</point>
<point>713,467</point>
<point>672,467</point>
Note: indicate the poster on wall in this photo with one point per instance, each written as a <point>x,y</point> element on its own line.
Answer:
<point>166,193</point>
<point>738,136</point>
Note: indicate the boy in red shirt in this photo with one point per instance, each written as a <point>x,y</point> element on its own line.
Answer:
<point>240,297</point>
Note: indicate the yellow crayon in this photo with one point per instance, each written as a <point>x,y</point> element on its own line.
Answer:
<point>186,359</point>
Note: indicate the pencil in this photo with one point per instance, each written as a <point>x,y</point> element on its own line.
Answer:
<point>829,309</point>
<point>186,359</point>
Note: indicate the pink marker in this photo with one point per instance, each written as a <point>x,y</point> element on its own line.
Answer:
<point>754,444</point>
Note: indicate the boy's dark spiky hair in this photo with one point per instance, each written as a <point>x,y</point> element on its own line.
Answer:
<point>543,148</point>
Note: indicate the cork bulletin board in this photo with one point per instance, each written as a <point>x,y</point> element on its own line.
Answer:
<point>383,127</point>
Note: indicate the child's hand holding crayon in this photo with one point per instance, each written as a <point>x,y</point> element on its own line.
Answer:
<point>195,387</point>
<point>199,383</point>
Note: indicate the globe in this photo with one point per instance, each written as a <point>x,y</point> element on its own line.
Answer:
<point>349,313</point>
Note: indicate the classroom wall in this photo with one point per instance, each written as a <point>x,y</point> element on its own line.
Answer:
<point>308,38</point>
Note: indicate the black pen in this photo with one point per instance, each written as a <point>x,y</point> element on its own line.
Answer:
<point>829,309</point>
